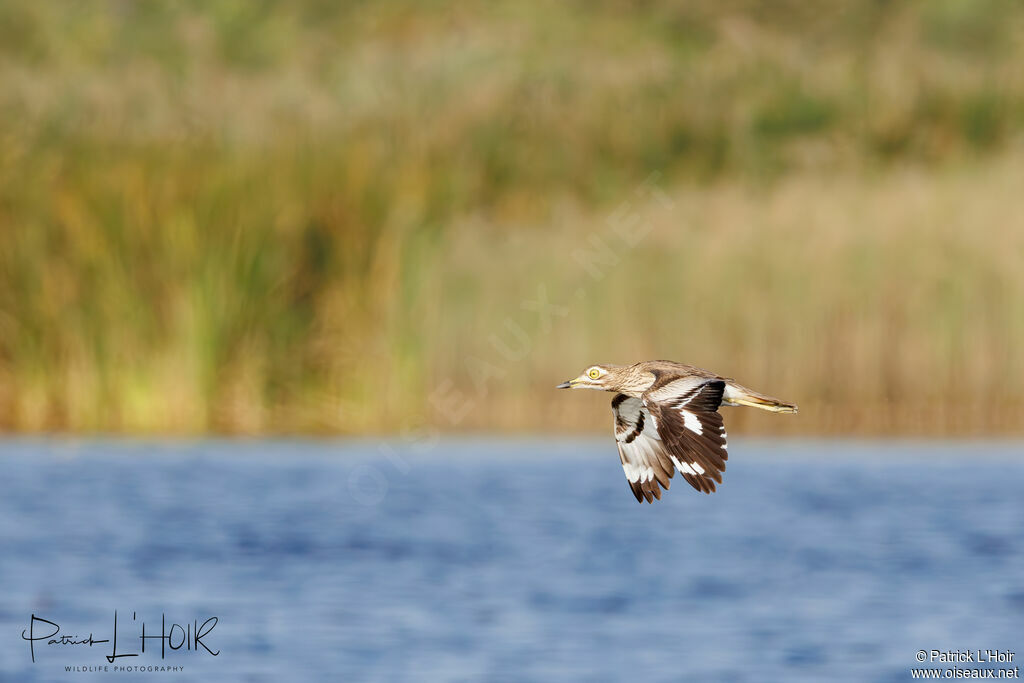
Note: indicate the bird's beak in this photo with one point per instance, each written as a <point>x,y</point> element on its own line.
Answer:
<point>565,385</point>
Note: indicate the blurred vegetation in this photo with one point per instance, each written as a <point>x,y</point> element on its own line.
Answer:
<point>248,216</point>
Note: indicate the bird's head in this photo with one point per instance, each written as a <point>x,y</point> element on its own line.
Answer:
<point>602,377</point>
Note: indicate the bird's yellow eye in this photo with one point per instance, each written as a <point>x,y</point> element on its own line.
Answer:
<point>594,373</point>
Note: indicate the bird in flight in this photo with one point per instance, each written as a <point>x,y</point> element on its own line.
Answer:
<point>667,419</point>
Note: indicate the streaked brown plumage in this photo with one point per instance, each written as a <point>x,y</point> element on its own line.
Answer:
<point>667,419</point>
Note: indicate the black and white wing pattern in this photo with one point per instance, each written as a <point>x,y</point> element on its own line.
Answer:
<point>686,418</point>
<point>647,465</point>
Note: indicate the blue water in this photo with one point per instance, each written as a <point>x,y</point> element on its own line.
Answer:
<point>517,561</point>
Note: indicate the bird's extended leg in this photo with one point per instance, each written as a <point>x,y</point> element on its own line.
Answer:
<point>739,395</point>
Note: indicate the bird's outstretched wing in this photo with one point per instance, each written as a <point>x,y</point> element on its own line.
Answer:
<point>647,464</point>
<point>685,415</point>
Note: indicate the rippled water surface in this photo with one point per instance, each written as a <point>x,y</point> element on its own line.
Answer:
<point>518,561</point>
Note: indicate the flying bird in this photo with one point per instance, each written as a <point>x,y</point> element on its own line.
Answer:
<point>667,419</point>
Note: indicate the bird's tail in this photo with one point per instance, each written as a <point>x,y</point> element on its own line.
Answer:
<point>738,395</point>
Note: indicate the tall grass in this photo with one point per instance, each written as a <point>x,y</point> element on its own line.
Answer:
<point>316,217</point>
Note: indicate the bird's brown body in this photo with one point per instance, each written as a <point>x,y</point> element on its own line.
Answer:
<point>666,419</point>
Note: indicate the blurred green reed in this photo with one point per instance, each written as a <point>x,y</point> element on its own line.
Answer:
<point>327,217</point>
